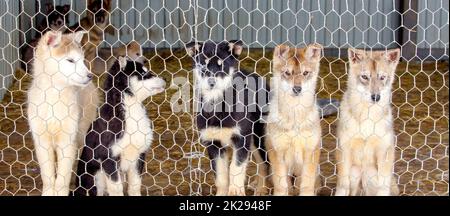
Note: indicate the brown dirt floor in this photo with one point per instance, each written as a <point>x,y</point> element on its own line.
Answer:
<point>420,102</point>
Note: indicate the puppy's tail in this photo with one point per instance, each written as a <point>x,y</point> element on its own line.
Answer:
<point>327,107</point>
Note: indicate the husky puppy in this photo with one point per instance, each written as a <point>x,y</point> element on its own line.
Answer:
<point>97,14</point>
<point>107,57</point>
<point>54,108</point>
<point>230,116</point>
<point>56,19</point>
<point>293,127</point>
<point>96,23</point>
<point>366,139</point>
<point>117,141</point>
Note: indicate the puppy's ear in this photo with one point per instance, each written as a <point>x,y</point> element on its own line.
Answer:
<point>355,55</point>
<point>314,52</point>
<point>107,5</point>
<point>48,8</point>
<point>133,48</point>
<point>236,47</point>
<point>66,8</point>
<point>122,61</point>
<point>193,48</point>
<point>90,2</point>
<point>134,52</point>
<point>393,56</point>
<point>281,52</point>
<point>52,38</point>
<point>77,36</point>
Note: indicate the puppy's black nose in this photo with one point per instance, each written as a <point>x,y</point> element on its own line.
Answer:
<point>59,22</point>
<point>297,89</point>
<point>90,76</point>
<point>211,82</point>
<point>100,18</point>
<point>375,97</point>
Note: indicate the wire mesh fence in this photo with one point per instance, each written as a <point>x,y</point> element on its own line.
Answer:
<point>157,32</point>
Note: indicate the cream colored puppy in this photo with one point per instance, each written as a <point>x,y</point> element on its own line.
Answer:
<point>293,129</point>
<point>366,139</point>
<point>55,107</point>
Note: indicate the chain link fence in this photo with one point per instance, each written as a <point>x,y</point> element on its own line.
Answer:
<point>177,164</point>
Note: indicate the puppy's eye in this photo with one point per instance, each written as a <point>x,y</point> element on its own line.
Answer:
<point>287,73</point>
<point>364,77</point>
<point>382,77</point>
<point>71,61</point>
<point>306,73</point>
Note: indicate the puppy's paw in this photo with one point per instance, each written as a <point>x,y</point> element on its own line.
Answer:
<point>48,192</point>
<point>236,191</point>
<point>261,191</point>
<point>307,193</point>
<point>222,192</point>
<point>280,192</point>
<point>383,193</point>
<point>134,193</point>
<point>342,192</point>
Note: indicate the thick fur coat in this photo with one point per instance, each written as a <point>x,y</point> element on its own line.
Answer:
<point>55,107</point>
<point>230,113</point>
<point>118,139</point>
<point>293,127</point>
<point>366,140</point>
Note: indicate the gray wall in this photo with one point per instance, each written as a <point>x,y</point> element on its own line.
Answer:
<point>264,23</point>
<point>331,23</point>
<point>9,41</point>
<point>433,24</point>
<point>259,23</point>
<point>154,23</point>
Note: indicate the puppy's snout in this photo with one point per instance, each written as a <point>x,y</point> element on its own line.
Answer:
<point>59,22</point>
<point>211,82</point>
<point>297,89</point>
<point>375,97</point>
<point>100,17</point>
<point>163,82</point>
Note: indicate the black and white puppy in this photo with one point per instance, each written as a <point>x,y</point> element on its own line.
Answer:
<point>57,18</point>
<point>231,103</point>
<point>117,141</point>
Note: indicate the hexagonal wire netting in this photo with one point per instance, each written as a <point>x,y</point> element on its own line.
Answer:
<point>176,163</point>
